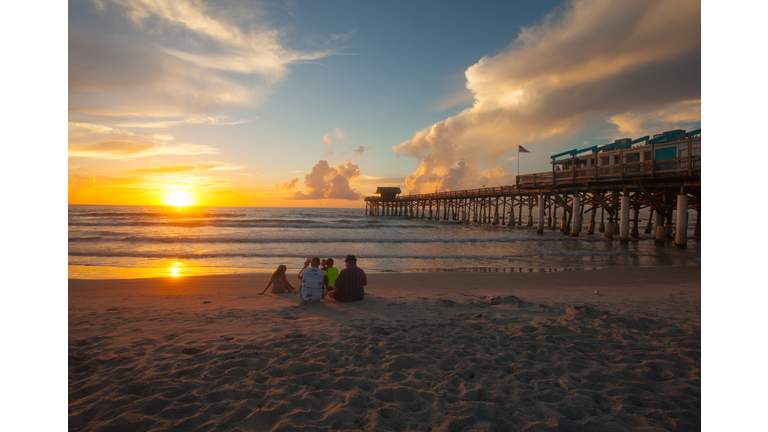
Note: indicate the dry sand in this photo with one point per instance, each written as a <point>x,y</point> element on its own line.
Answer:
<point>423,351</point>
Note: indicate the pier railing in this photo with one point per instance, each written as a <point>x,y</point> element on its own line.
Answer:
<point>666,167</point>
<point>648,169</point>
<point>471,193</point>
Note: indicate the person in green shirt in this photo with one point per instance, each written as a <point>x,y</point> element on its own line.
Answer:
<point>332,273</point>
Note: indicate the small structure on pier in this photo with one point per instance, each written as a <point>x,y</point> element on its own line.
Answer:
<point>388,192</point>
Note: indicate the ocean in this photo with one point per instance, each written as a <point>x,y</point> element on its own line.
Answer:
<point>108,242</point>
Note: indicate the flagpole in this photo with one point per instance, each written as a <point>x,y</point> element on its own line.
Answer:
<point>518,159</point>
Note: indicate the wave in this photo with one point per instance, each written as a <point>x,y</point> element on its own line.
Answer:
<point>283,240</point>
<point>154,214</point>
<point>223,223</point>
<point>190,256</point>
<point>249,223</point>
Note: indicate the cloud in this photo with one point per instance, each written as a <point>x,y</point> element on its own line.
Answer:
<point>338,133</point>
<point>618,61</point>
<point>100,141</point>
<point>291,184</point>
<point>77,183</point>
<point>195,120</point>
<point>174,58</point>
<point>379,181</point>
<point>325,182</point>
<point>359,151</point>
<point>181,168</point>
<point>493,177</point>
<point>647,122</point>
<point>459,98</point>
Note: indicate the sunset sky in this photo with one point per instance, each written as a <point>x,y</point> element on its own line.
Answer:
<point>315,104</point>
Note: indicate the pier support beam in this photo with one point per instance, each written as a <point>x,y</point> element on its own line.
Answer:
<point>602,220</point>
<point>591,229</point>
<point>659,230</point>
<point>668,226</point>
<point>549,214</point>
<point>540,225</point>
<point>635,221</point>
<point>624,233</point>
<point>512,211</point>
<point>553,222</point>
<point>649,225</point>
<point>697,227</point>
<point>576,216</point>
<point>681,237</point>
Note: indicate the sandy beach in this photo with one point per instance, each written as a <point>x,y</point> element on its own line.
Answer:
<point>423,351</point>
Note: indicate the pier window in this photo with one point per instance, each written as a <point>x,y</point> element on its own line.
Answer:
<point>666,153</point>
<point>605,160</point>
<point>632,157</point>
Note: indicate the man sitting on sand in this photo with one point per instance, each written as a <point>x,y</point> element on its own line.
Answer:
<point>349,285</point>
<point>312,281</point>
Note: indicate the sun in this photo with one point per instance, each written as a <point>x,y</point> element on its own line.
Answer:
<point>179,199</point>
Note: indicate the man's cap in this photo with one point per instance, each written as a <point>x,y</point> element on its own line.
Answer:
<point>350,258</point>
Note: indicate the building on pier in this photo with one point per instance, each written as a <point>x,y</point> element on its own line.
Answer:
<point>665,153</point>
<point>388,192</point>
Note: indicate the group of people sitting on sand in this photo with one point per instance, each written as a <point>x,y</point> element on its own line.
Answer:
<point>323,282</point>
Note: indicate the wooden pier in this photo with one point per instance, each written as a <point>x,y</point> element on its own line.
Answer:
<point>609,184</point>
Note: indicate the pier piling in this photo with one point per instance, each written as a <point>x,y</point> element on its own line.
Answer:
<point>624,233</point>
<point>540,224</point>
<point>659,230</point>
<point>635,221</point>
<point>602,221</point>
<point>576,218</point>
<point>681,236</point>
<point>697,227</point>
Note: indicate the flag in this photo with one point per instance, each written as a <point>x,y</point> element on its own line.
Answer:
<point>521,149</point>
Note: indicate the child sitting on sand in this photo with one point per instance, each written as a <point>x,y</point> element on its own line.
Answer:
<point>278,281</point>
<point>332,273</point>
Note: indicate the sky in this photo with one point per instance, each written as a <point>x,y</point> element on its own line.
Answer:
<point>315,104</point>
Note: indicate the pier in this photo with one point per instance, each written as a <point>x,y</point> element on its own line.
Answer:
<point>608,184</point>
